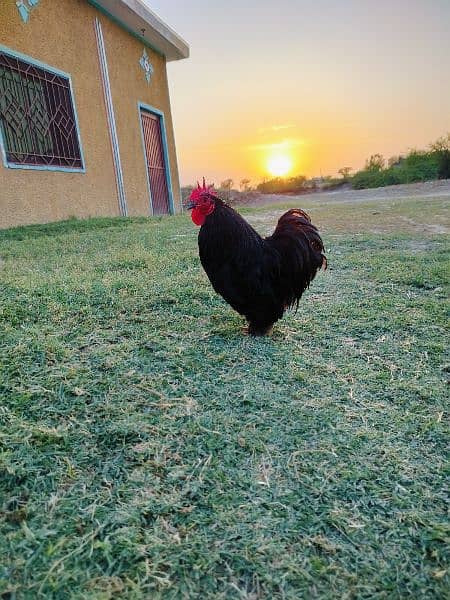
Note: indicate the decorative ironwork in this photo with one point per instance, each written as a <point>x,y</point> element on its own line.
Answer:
<point>37,117</point>
<point>25,7</point>
<point>146,66</point>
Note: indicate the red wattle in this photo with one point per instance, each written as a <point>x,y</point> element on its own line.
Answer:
<point>199,213</point>
<point>197,217</point>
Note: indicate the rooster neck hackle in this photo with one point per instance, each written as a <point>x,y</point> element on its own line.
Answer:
<point>226,232</point>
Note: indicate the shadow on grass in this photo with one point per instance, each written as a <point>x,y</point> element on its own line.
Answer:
<point>72,226</point>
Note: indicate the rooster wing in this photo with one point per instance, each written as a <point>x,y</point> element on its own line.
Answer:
<point>300,249</point>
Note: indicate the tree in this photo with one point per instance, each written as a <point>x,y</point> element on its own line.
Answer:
<point>227,184</point>
<point>394,161</point>
<point>244,184</point>
<point>441,147</point>
<point>442,144</point>
<point>345,172</point>
<point>375,163</point>
<point>279,185</point>
<point>225,188</point>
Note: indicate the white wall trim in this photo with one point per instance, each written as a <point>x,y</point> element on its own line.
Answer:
<point>111,118</point>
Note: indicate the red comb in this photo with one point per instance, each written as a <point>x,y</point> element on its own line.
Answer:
<point>204,190</point>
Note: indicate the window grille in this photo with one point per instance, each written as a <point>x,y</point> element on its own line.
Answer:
<point>37,116</point>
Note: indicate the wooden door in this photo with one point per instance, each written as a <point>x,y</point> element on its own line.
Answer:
<point>156,163</point>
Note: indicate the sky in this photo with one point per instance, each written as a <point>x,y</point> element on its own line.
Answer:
<point>305,86</point>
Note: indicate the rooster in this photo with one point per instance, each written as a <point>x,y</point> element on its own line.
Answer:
<point>259,277</point>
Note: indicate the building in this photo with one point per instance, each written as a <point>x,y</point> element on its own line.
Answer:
<point>85,121</point>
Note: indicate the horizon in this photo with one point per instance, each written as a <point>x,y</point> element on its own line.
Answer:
<point>303,88</point>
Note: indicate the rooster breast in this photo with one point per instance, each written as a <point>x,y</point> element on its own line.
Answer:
<point>241,266</point>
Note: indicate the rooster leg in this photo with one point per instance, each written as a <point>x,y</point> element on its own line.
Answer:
<point>259,330</point>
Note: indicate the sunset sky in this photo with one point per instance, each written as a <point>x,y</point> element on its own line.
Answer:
<point>313,85</point>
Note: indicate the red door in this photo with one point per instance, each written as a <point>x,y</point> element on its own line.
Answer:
<point>156,164</point>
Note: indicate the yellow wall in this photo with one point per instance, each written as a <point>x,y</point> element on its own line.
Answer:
<point>61,34</point>
<point>128,86</point>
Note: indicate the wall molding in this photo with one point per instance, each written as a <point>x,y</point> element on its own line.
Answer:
<point>146,66</point>
<point>25,7</point>
<point>111,119</point>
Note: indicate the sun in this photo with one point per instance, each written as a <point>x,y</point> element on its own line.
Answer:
<point>279,165</point>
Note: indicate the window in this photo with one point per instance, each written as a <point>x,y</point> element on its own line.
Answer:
<point>37,116</point>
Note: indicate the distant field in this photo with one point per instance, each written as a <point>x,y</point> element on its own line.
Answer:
<point>149,449</point>
<point>438,188</point>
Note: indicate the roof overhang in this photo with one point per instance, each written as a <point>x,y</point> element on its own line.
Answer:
<point>139,20</point>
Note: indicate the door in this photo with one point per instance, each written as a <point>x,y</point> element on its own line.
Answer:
<point>156,163</point>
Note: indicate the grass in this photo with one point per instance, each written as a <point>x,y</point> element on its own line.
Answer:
<point>149,449</point>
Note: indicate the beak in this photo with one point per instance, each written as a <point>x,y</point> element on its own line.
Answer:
<point>190,205</point>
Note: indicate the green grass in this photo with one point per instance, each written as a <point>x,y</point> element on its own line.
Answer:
<point>149,449</point>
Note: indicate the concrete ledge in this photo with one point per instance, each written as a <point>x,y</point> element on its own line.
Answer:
<point>137,18</point>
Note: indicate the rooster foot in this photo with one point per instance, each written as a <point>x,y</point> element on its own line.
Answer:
<point>259,330</point>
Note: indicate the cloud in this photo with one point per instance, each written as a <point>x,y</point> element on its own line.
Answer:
<point>286,144</point>
<point>274,128</point>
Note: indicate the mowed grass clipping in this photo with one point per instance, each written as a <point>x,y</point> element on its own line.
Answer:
<point>150,449</point>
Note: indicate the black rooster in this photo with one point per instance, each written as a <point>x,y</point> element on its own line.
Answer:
<point>260,278</point>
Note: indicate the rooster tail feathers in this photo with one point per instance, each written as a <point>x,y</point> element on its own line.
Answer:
<point>294,212</point>
<point>301,251</point>
<point>297,220</point>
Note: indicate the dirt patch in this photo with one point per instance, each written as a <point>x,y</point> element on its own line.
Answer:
<point>383,211</point>
<point>428,227</point>
<point>419,246</point>
<point>420,216</point>
<point>410,190</point>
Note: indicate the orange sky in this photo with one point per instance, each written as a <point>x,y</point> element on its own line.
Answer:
<point>327,82</point>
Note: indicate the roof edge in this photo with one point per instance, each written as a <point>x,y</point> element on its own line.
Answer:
<point>136,18</point>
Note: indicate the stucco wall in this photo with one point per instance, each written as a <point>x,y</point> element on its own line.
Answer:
<point>128,87</point>
<point>61,34</point>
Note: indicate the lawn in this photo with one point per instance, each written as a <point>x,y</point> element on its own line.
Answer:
<point>149,449</point>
